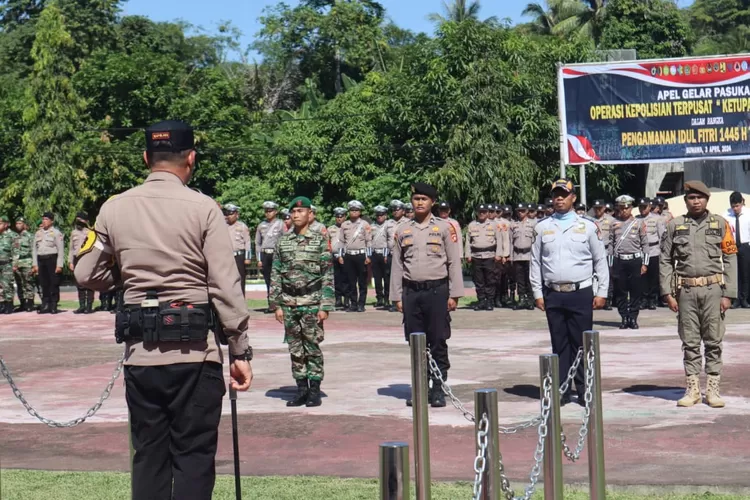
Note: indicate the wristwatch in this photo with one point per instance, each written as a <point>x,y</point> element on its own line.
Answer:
<point>245,356</point>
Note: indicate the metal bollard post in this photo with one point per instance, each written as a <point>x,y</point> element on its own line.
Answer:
<point>418,344</point>
<point>553,473</point>
<point>485,401</point>
<point>597,481</point>
<point>394,471</point>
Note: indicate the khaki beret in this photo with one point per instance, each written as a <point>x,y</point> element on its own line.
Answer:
<point>697,187</point>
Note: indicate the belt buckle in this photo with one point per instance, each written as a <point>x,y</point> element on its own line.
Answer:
<point>567,287</point>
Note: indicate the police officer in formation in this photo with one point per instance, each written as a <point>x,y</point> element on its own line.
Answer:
<point>444,212</point>
<point>48,253</point>
<point>484,246</point>
<point>23,265</point>
<point>605,221</point>
<point>302,294</point>
<point>8,255</point>
<point>381,266</point>
<point>522,237</point>
<point>316,225</point>
<point>77,237</point>
<point>169,244</point>
<point>242,246</point>
<point>398,211</point>
<point>426,279</point>
<point>566,254</point>
<point>356,248</point>
<point>629,257</point>
<point>698,270</point>
<point>655,228</point>
<point>341,287</point>
<point>266,236</point>
<point>409,211</point>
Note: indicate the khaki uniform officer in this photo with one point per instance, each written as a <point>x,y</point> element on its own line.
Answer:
<point>48,251</point>
<point>426,279</point>
<point>381,265</point>
<point>522,236</point>
<point>242,246</point>
<point>604,221</point>
<point>485,246</point>
<point>340,283</point>
<point>266,236</point>
<point>655,227</point>
<point>168,246</point>
<point>698,272</point>
<point>356,248</point>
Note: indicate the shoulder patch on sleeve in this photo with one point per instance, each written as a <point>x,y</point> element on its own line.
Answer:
<point>728,245</point>
<point>89,244</point>
<point>454,235</point>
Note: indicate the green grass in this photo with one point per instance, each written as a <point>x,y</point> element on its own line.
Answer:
<point>36,485</point>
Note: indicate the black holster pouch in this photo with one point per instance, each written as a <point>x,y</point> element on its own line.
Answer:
<point>167,322</point>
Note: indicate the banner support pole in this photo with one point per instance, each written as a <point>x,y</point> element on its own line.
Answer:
<point>560,108</point>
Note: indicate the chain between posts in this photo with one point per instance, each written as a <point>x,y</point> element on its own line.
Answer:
<point>71,423</point>
<point>572,372</point>
<point>584,430</point>
<point>480,462</point>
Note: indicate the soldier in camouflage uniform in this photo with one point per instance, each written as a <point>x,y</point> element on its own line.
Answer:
<point>23,264</point>
<point>302,293</point>
<point>7,257</point>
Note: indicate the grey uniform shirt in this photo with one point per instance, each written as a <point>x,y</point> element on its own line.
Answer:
<point>655,229</point>
<point>355,236</point>
<point>77,237</point>
<point>567,254</point>
<point>380,237</point>
<point>629,237</point>
<point>166,237</point>
<point>333,234</point>
<point>391,226</point>
<point>522,237</point>
<point>605,225</point>
<point>483,240</point>
<point>49,242</point>
<point>240,236</point>
<point>267,235</point>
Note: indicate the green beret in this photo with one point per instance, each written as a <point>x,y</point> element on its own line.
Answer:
<point>4,218</point>
<point>300,201</point>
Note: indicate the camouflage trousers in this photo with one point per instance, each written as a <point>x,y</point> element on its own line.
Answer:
<point>6,282</point>
<point>25,280</point>
<point>303,334</point>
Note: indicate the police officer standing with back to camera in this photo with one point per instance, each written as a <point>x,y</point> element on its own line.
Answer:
<point>340,284</point>
<point>266,236</point>
<point>484,247</point>
<point>655,228</point>
<point>169,246</point>
<point>628,247</point>
<point>381,266</point>
<point>426,279</point>
<point>356,247</point>
<point>302,294</point>
<point>241,243</point>
<point>77,236</point>
<point>567,253</point>
<point>605,221</point>
<point>48,252</point>
<point>698,278</point>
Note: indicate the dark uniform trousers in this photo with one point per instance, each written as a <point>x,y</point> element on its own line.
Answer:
<point>84,294</point>
<point>628,285</point>
<point>381,272</point>
<point>174,420</point>
<point>340,282</point>
<point>521,268</point>
<point>266,261</point>
<point>426,310</point>
<point>568,316</point>
<point>483,274</point>
<point>504,290</point>
<point>239,259</point>
<point>49,280</point>
<point>356,273</point>
<point>651,282</point>
<point>743,272</point>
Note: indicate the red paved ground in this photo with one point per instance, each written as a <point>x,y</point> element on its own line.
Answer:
<point>62,363</point>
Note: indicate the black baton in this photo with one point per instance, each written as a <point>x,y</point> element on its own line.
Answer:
<point>235,438</point>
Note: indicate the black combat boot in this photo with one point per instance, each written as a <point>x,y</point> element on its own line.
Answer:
<point>53,308</point>
<point>625,324</point>
<point>437,396</point>
<point>81,302</point>
<point>28,305</point>
<point>88,309</point>
<point>479,306</point>
<point>313,397</point>
<point>488,305</point>
<point>6,307</point>
<point>301,397</point>
<point>339,302</point>
<point>498,302</point>
<point>633,324</point>
<point>44,309</point>
<point>379,302</point>
<point>530,303</point>
<point>608,305</point>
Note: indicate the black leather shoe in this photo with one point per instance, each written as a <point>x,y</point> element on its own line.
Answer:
<point>652,306</point>
<point>438,398</point>
<point>408,403</point>
<point>745,304</point>
<point>379,303</point>
<point>360,309</point>
<point>633,324</point>
<point>625,324</point>
<point>565,399</point>
<point>53,309</point>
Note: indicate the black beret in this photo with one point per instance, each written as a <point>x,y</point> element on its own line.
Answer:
<point>171,136</point>
<point>48,215</point>
<point>425,189</point>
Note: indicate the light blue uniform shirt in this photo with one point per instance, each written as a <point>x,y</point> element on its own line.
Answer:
<point>570,250</point>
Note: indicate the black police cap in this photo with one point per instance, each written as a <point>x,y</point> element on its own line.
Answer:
<point>482,207</point>
<point>522,206</point>
<point>48,215</point>
<point>444,204</point>
<point>643,202</point>
<point>424,189</point>
<point>170,136</point>
<point>599,203</point>
<point>83,216</point>
<point>580,206</point>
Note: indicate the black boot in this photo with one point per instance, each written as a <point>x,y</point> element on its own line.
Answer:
<point>498,302</point>
<point>28,305</point>
<point>346,303</point>
<point>6,307</point>
<point>339,302</point>
<point>379,302</point>
<point>633,323</point>
<point>44,309</point>
<point>652,305</point>
<point>81,302</point>
<point>488,306</point>
<point>625,324</point>
<point>437,396</point>
<point>608,305</point>
<point>88,309</point>
<point>53,308</point>
<point>313,397</point>
<point>529,303</point>
<point>479,306</point>
<point>301,397</point>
